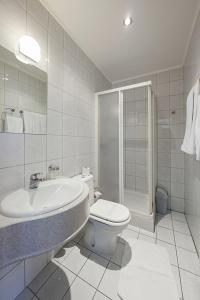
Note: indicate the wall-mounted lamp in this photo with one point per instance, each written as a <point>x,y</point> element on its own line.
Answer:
<point>28,50</point>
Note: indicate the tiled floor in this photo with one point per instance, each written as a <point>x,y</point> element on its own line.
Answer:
<point>77,273</point>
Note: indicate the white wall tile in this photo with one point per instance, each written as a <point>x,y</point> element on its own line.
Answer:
<point>33,266</point>
<point>163,90</point>
<point>11,179</point>
<point>176,74</point>
<point>56,31</point>
<point>177,204</point>
<point>54,147</point>
<point>55,98</point>
<point>177,175</point>
<point>177,190</point>
<point>13,283</point>
<point>163,77</point>
<point>176,87</point>
<point>54,122</point>
<point>69,166</point>
<point>37,10</point>
<point>35,148</point>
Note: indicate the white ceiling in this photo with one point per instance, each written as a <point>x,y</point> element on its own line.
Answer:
<point>157,39</point>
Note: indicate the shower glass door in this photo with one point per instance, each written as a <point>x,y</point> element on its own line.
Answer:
<point>108,149</point>
<point>136,149</point>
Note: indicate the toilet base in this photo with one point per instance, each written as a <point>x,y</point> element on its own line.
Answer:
<point>101,238</point>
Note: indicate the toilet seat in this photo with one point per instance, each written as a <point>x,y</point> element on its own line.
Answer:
<point>109,212</point>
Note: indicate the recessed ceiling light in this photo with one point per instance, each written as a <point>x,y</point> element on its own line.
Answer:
<point>127,21</point>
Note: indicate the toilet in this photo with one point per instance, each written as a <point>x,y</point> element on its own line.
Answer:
<point>107,220</point>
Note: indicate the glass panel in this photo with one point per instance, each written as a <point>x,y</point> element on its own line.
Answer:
<point>109,146</point>
<point>135,112</point>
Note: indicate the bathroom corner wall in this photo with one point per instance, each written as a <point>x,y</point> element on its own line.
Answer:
<point>168,89</point>
<point>192,167</point>
<point>72,81</point>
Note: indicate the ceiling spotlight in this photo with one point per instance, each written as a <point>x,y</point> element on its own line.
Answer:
<point>127,21</point>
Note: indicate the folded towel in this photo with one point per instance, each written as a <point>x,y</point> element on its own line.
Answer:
<point>189,144</point>
<point>13,123</point>
<point>34,123</point>
<point>197,130</point>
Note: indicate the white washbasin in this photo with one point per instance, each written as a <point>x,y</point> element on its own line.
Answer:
<point>50,195</point>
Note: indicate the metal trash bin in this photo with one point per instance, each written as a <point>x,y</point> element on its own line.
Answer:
<point>161,200</point>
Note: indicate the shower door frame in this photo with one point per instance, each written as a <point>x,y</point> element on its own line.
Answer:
<point>151,139</point>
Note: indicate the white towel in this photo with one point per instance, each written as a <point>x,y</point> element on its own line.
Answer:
<point>197,130</point>
<point>189,143</point>
<point>13,123</point>
<point>34,123</point>
<point>146,274</point>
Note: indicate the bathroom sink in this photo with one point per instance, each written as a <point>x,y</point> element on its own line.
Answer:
<point>49,196</point>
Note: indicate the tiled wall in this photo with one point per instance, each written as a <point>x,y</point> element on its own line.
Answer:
<point>72,81</point>
<point>135,139</point>
<point>168,89</point>
<point>192,167</point>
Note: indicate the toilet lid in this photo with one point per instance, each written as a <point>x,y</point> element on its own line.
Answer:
<point>110,211</point>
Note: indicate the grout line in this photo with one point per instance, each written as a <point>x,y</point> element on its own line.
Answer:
<point>198,276</point>
<point>34,294</point>
<point>177,259</point>
<point>44,281</point>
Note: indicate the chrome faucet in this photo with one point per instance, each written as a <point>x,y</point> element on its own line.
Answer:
<point>35,179</point>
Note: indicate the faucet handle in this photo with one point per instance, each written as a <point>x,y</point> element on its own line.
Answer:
<point>53,167</point>
<point>36,176</point>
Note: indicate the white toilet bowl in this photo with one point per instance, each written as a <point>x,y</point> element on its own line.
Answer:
<point>107,220</point>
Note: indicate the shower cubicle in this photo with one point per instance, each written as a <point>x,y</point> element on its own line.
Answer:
<point>126,149</point>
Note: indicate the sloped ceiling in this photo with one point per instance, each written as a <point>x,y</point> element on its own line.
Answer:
<point>157,39</point>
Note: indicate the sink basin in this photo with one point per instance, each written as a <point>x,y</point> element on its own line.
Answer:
<point>49,196</point>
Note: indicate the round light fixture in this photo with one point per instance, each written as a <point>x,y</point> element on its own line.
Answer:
<point>28,50</point>
<point>127,21</point>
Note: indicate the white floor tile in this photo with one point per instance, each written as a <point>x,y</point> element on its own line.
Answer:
<point>110,282</point>
<point>190,286</point>
<point>42,277</point>
<point>128,235</point>
<point>100,296</point>
<point>57,284</point>
<point>134,228</point>
<point>148,233</point>
<point>164,222</point>
<point>181,227</point>
<point>175,272</point>
<point>147,238</point>
<point>167,215</point>
<point>94,269</point>
<point>165,235</point>
<point>118,254</point>
<point>76,259</point>
<point>178,216</point>
<point>80,290</point>
<point>64,252</point>
<point>78,236</point>
<point>188,261</point>
<point>184,241</point>
<point>26,294</point>
<point>171,250</point>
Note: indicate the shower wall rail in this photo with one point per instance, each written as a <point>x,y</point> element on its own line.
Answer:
<point>118,92</point>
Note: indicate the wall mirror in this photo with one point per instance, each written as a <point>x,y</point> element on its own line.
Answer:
<point>23,96</point>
